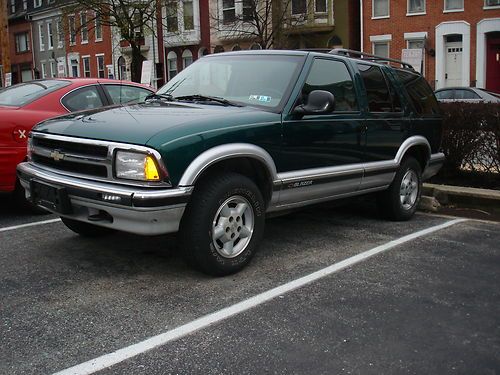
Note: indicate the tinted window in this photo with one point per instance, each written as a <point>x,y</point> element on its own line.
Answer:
<point>123,94</point>
<point>84,98</point>
<point>24,93</point>
<point>377,91</point>
<point>420,93</point>
<point>444,94</point>
<point>466,94</point>
<point>334,77</point>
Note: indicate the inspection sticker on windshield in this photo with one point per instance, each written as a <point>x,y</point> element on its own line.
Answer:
<point>260,98</point>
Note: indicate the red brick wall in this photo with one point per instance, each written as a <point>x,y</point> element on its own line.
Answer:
<point>19,59</point>
<point>399,23</point>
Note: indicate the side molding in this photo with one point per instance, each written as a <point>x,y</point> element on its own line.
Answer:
<point>228,151</point>
<point>416,140</point>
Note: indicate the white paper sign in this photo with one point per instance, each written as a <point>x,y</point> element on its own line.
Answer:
<point>61,70</point>
<point>414,57</point>
<point>147,70</point>
<point>8,79</point>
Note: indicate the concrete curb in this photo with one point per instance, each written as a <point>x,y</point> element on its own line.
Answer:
<point>434,196</point>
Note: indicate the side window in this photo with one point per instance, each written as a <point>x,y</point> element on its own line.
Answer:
<point>466,94</point>
<point>377,91</point>
<point>332,76</point>
<point>420,93</point>
<point>444,94</point>
<point>84,98</point>
<point>123,94</point>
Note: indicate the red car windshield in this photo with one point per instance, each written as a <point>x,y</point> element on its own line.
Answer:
<point>24,93</point>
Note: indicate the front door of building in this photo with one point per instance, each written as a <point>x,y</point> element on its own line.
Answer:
<point>453,72</point>
<point>493,62</point>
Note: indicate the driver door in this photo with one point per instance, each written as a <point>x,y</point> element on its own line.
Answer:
<point>323,153</point>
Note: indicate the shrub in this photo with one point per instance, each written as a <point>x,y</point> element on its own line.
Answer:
<point>471,141</point>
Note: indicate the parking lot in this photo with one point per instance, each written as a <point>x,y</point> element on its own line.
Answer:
<point>428,304</point>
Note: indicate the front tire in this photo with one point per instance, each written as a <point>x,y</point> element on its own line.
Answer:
<point>400,201</point>
<point>85,229</point>
<point>223,224</point>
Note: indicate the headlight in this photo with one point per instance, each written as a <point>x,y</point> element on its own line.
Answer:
<point>136,166</point>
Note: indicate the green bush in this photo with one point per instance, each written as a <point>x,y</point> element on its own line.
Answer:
<point>471,142</point>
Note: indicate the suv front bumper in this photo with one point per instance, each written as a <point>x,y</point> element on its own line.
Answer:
<point>145,211</point>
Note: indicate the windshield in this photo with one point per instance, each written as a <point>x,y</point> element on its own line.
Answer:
<point>23,93</point>
<point>256,80</point>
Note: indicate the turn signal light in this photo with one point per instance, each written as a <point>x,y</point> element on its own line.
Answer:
<point>150,170</point>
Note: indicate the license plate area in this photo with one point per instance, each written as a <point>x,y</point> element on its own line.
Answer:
<point>55,198</point>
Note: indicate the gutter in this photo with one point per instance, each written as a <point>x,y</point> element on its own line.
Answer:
<point>361,25</point>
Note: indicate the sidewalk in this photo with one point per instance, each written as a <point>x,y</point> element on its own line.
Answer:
<point>461,201</point>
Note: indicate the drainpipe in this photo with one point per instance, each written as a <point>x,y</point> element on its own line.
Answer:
<point>361,24</point>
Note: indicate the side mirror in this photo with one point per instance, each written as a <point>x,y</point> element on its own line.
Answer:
<point>319,102</point>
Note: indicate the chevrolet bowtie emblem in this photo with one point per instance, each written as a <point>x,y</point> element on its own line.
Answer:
<point>56,155</point>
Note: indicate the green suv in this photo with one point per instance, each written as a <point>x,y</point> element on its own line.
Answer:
<point>233,137</point>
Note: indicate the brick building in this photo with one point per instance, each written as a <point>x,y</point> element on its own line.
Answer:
<point>460,38</point>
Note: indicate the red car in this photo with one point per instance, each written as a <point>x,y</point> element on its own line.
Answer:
<point>24,105</point>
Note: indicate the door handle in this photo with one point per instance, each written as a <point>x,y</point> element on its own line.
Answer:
<point>446,76</point>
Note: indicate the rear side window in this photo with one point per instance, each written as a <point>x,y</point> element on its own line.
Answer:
<point>445,94</point>
<point>83,98</point>
<point>377,91</point>
<point>466,94</point>
<point>332,76</point>
<point>420,93</point>
<point>123,94</point>
<point>24,93</point>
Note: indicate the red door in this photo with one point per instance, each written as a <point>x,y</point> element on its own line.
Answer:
<point>493,63</point>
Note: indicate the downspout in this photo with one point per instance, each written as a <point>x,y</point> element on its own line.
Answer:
<point>33,66</point>
<point>361,24</point>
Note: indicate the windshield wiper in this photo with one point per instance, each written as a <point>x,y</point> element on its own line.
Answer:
<point>199,97</point>
<point>168,97</point>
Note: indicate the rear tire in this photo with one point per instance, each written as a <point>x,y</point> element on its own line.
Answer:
<point>86,229</point>
<point>223,224</point>
<point>400,201</point>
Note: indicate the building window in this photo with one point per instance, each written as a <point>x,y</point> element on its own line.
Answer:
<point>122,69</point>
<point>172,64</point>
<point>51,35</point>
<point>25,4</point>
<point>100,66</point>
<point>22,42</point>
<point>37,3</point>
<point>85,28</point>
<point>60,34</point>
<point>381,49</point>
<point>228,11</point>
<point>86,66</point>
<point>172,20</point>
<point>248,10</point>
<point>41,36</point>
<point>320,6</point>
<point>72,30</point>
<point>53,69</point>
<point>187,8</point>
<point>492,3</point>
<point>44,70</point>
<point>416,6</point>
<point>380,8</point>
<point>453,5</point>
<point>98,28</point>
<point>12,6</point>
<point>299,6</point>
<point>187,58</point>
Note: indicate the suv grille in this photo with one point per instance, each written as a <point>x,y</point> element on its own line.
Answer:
<point>78,157</point>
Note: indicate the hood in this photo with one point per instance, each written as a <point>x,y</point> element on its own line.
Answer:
<point>138,123</point>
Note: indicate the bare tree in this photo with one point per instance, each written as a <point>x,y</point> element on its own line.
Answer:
<point>133,19</point>
<point>261,21</point>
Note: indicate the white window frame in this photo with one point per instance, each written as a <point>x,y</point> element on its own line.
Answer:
<point>50,35</point>
<point>381,39</point>
<point>171,58</point>
<point>41,37</point>
<point>53,69</point>
<point>374,17</point>
<point>60,33</point>
<point>86,57</point>
<point>12,6</point>
<point>419,13</point>
<point>96,28</point>
<point>453,10</point>
<point>180,21</point>
<point>97,56</point>
<point>409,37</point>
<point>235,11</point>
<point>487,7</point>
<point>187,54</point>
<point>71,17</point>
<point>37,3</point>
<point>84,28</point>
<point>43,66</point>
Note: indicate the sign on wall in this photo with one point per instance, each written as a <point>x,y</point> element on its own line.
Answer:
<point>8,79</point>
<point>414,57</point>
<point>61,69</point>
<point>147,70</point>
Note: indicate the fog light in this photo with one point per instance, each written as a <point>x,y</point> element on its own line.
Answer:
<point>111,198</point>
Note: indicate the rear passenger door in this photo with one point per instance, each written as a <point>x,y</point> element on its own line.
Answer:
<point>386,122</point>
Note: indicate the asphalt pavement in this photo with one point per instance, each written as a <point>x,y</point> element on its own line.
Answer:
<point>430,305</point>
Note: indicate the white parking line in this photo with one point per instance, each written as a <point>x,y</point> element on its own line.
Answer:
<point>6,229</point>
<point>121,355</point>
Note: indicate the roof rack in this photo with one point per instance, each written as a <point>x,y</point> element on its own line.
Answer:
<point>367,56</point>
